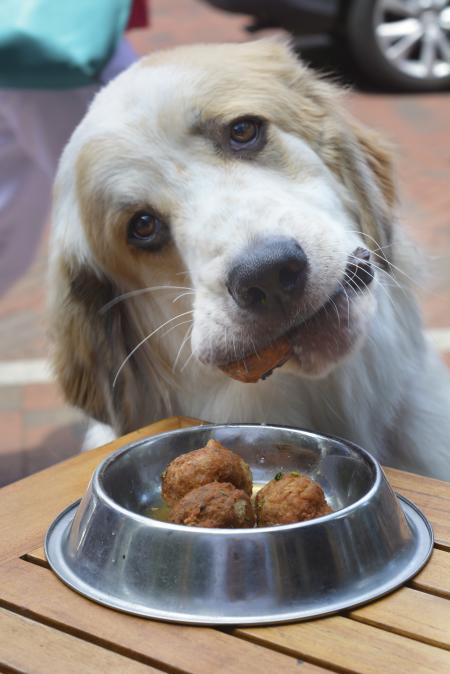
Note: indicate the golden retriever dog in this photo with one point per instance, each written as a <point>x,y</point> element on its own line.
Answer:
<point>219,214</point>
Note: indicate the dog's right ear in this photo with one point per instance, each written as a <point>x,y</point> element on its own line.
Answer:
<point>89,344</point>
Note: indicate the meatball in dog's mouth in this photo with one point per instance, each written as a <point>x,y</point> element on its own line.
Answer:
<point>318,341</point>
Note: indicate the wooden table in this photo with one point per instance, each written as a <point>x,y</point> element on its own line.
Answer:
<point>46,627</point>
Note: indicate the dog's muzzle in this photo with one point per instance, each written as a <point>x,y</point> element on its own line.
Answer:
<point>269,278</point>
<point>269,281</point>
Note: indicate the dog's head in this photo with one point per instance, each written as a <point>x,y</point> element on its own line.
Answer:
<point>227,178</point>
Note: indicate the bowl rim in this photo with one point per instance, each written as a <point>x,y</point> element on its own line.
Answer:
<point>254,531</point>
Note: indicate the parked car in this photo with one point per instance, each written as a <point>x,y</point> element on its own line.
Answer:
<point>401,44</point>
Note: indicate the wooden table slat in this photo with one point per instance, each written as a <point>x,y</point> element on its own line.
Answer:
<point>352,646</point>
<point>441,538</point>
<point>37,591</point>
<point>431,496</point>
<point>411,613</point>
<point>429,501</point>
<point>400,479</point>
<point>27,646</point>
<point>435,576</point>
<point>37,556</point>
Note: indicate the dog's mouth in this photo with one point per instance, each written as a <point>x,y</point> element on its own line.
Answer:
<point>319,340</point>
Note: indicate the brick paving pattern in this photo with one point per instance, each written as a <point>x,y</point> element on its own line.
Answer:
<point>37,428</point>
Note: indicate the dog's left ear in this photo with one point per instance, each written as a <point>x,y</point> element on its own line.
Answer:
<point>378,156</point>
<point>362,162</point>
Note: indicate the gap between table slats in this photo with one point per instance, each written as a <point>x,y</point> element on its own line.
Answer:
<point>351,647</point>
<point>344,630</point>
<point>393,612</point>
<point>410,613</point>
<point>34,591</point>
<point>21,650</point>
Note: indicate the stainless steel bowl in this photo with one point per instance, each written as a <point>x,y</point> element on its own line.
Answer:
<point>109,549</point>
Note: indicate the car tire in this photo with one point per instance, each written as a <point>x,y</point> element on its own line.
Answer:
<point>370,59</point>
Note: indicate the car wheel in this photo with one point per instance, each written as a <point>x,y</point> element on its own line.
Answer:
<point>402,44</point>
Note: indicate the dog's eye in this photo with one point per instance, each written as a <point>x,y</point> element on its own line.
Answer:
<point>146,230</point>
<point>244,132</point>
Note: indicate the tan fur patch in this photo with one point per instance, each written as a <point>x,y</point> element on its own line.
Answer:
<point>88,345</point>
<point>73,335</point>
<point>105,222</point>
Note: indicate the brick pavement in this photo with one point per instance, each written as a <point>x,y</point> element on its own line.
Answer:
<point>37,429</point>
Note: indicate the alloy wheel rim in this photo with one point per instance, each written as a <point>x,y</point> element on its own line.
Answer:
<point>414,36</point>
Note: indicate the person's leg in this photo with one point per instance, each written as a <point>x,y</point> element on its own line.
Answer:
<point>123,57</point>
<point>43,120</point>
<point>24,196</point>
<point>46,119</point>
<point>35,125</point>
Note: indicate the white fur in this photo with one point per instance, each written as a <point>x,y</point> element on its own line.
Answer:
<point>389,393</point>
<point>97,435</point>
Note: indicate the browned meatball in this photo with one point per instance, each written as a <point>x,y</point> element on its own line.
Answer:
<point>217,504</point>
<point>213,463</point>
<point>290,498</point>
<point>258,365</point>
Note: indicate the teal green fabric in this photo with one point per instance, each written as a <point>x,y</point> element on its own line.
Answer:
<point>58,44</point>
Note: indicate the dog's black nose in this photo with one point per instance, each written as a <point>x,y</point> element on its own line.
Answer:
<point>269,275</point>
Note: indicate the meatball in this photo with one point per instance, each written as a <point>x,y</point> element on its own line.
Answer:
<point>217,504</point>
<point>213,463</point>
<point>260,365</point>
<point>290,498</point>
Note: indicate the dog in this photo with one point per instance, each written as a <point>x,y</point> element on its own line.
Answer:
<point>215,200</point>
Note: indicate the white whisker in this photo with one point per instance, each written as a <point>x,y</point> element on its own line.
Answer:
<point>254,348</point>
<point>187,362</point>
<point>337,312</point>
<point>174,318</point>
<point>234,348</point>
<point>348,302</point>
<point>186,338</point>
<point>382,249</point>
<point>178,297</point>
<point>351,283</point>
<point>174,327</point>
<point>139,291</point>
